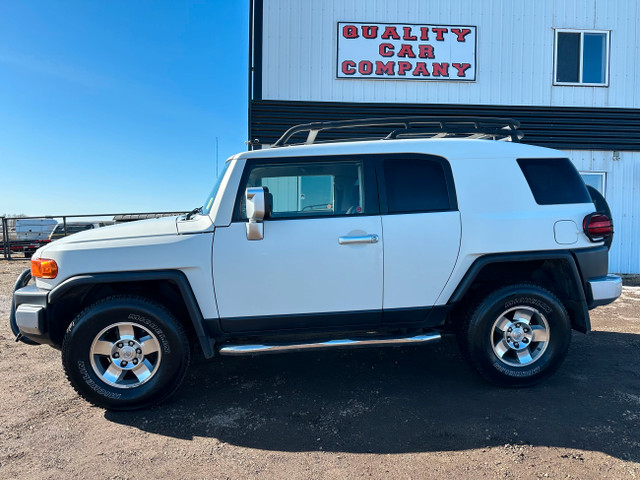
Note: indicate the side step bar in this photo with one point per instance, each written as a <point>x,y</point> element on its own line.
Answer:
<point>245,349</point>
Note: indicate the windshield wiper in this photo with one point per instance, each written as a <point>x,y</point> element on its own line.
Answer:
<point>192,213</point>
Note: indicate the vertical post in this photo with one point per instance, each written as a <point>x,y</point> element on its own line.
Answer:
<point>64,224</point>
<point>4,240</point>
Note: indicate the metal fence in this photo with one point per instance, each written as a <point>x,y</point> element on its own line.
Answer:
<point>26,234</point>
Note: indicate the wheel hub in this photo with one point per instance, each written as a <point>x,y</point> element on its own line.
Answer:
<point>125,355</point>
<point>520,336</point>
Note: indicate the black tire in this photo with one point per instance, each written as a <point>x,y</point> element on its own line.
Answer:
<point>22,281</point>
<point>603,207</point>
<point>104,325</point>
<point>522,357</point>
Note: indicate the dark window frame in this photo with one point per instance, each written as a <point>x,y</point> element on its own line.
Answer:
<point>382,185</point>
<point>582,32</point>
<point>371,198</point>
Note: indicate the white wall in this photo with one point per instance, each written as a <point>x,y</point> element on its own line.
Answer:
<point>514,54</point>
<point>622,194</point>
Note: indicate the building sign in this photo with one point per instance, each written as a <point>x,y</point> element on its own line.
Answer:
<point>403,51</point>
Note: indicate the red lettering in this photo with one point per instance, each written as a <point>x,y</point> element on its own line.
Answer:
<point>389,33</point>
<point>461,67</point>
<point>369,31</point>
<point>440,31</point>
<point>461,33</point>
<point>348,67</point>
<point>385,68</point>
<point>421,69</point>
<point>365,67</point>
<point>407,34</point>
<point>440,69</point>
<point>386,50</point>
<point>403,67</point>
<point>406,51</point>
<point>350,31</point>
<point>424,34</point>
<point>426,51</point>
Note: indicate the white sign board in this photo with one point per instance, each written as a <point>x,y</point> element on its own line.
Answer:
<point>385,51</point>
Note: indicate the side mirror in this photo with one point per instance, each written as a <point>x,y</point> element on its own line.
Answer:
<point>256,209</point>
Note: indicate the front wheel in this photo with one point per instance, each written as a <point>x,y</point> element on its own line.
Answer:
<point>517,336</point>
<point>124,353</point>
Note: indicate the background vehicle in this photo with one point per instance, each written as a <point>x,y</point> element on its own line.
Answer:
<point>74,227</point>
<point>26,235</point>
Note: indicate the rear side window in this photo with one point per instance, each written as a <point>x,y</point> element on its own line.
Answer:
<point>554,181</point>
<point>415,185</point>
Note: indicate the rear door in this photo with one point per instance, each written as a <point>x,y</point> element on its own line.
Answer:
<point>422,232</point>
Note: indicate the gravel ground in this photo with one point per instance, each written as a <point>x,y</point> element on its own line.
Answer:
<point>415,412</point>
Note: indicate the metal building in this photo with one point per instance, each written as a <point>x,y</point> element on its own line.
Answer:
<point>568,70</point>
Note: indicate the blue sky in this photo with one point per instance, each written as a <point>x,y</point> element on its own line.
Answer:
<point>115,106</point>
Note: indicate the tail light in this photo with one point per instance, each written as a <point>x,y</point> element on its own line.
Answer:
<point>597,226</point>
<point>44,268</point>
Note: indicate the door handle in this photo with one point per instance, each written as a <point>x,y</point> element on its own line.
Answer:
<point>358,239</point>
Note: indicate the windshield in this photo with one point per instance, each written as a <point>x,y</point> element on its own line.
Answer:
<point>206,208</point>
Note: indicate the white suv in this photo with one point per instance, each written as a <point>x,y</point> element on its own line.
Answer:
<point>335,244</point>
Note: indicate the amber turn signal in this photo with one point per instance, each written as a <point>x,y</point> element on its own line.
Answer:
<point>44,268</point>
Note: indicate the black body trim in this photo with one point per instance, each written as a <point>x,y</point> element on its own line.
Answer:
<point>413,317</point>
<point>576,303</point>
<point>301,321</point>
<point>592,263</point>
<point>175,276</point>
<point>579,128</point>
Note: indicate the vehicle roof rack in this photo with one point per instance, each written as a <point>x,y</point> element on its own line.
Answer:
<point>412,127</point>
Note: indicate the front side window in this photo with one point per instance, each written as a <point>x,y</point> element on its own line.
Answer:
<point>310,189</point>
<point>581,57</point>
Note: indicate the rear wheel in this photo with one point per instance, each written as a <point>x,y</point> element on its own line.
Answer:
<point>124,353</point>
<point>517,336</point>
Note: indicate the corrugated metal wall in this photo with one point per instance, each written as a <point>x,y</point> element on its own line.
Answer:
<point>514,53</point>
<point>554,127</point>
<point>515,79</point>
<point>622,194</point>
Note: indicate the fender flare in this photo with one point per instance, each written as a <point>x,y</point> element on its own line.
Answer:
<point>175,276</point>
<point>576,303</point>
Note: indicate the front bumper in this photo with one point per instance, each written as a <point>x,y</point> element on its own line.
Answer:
<point>605,290</point>
<point>31,313</point>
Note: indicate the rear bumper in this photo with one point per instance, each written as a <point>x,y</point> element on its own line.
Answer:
<point>605,290</point>
<point>600,288</point>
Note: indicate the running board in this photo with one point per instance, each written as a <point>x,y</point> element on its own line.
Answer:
<point>245,349</point>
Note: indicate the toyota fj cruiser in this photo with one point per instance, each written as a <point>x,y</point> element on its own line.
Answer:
<point>441,226</point>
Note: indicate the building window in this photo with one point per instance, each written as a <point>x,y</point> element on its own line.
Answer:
<point>597,180</point>
<point>581,58</point>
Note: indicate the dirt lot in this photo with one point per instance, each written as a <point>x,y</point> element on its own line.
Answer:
<point>415,412</point>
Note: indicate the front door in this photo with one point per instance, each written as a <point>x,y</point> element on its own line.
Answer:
<point>320,261</point>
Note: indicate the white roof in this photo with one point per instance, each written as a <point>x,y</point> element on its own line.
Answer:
<point>450,148</point>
